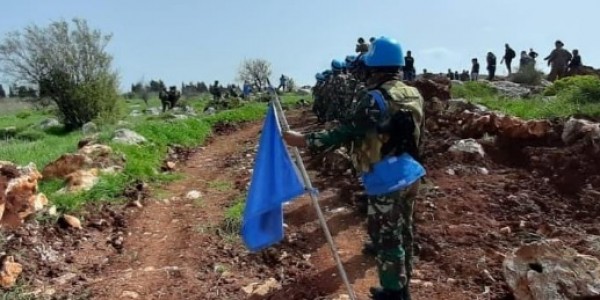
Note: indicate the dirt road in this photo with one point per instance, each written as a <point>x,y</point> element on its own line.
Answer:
<point>469,214</point>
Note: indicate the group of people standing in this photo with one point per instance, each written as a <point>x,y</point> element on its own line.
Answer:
<point>560,61</point>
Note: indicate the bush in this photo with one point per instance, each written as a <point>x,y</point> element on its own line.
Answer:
<point>30,135</point>
<point>528,75</point>
<point>588,83</point>
<point>472,89</point>
<point>69,64</point>
<point>23,115</point>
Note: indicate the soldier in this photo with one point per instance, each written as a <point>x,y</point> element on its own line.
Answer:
<point>215,91</point>
<point>386,123</point>
<point>318,105</point>
<point>409,67</point>
<point>337,92</point>
<point>173,97</point>
<point>558,60</point>
<point>163,95</point>
<point>575,63</point>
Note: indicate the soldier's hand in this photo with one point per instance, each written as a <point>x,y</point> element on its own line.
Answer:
<point>294,139</point>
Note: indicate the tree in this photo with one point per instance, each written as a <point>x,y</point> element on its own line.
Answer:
<point>2,92</point>
<point>255,71</point>
<point>68,64</point>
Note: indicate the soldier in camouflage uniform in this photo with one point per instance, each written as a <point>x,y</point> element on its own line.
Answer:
<point>386,122</point>
<point>318,104</point>
<point>338,92</point>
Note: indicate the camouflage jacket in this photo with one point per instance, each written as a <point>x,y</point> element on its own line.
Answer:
<point>370,144</point>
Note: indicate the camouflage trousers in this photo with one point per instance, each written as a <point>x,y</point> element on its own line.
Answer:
<point>390,229</point>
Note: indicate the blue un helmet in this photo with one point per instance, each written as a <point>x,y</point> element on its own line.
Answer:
<point>350,59</point>
<point>337,65</point>
<point>385,52</point>
<point>319,77</point>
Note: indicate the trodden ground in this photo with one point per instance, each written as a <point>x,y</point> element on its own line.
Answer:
<point>469,214</point>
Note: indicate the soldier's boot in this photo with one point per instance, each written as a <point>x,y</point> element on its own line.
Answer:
<point>383,294</point>
<point>362,203</point>
<point>369,249</point>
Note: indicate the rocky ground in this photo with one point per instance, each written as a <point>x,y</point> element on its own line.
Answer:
<point>472,212</point>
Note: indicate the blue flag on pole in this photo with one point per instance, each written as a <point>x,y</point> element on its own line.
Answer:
<point>274,181</point>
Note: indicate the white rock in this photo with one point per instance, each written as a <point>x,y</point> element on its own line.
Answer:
<point>49,123</point>
<point>467,146</point>
<point>193,195</point>
<point>129,137</point>
<point>550,270</point>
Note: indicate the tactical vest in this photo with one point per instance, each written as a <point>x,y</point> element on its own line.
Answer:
<point>391,98</point>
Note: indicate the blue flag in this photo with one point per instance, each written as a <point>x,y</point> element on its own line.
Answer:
<point>274,181</point>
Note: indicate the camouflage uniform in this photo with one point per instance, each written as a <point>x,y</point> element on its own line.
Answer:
<point>319,105</point>
<point>339,97</point>
<point>389,215</point>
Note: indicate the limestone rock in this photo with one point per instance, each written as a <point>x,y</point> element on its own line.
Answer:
<point>467,146</point>
<point>49,123</point>
<point>510,89</point>
<point>72,221</point>
<point>550,270</point>
<point>81,180</point>
<point>89,128</point>
<point>19,197</point>
<point>576,129</point>
<point>262,289</point>
<point>153,111</point>
<point>9,271</point>
<point>128,137</point>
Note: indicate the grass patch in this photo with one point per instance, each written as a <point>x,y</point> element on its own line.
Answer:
<point>221,186</point>
<point>143,161</point>
<point>232,223</point>
<point>573,97</point>
<point>473,89</point>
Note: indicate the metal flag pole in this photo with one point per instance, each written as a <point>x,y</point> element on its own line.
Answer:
<point>313,196</point>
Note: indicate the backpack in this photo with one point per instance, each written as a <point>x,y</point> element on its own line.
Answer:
<point>400,117</point>
<point>510,54</point>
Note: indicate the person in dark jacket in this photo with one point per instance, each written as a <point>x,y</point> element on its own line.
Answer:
<point>575,63</point>
<point>474,70</point>
<point>509,55</point>
<point>491,65</point>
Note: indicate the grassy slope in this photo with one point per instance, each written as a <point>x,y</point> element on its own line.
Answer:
<point>537,107</point>
<point>142,161</point>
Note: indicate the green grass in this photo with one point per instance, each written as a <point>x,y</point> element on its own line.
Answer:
<point>232,222</point>
<point>221,186</point>
<point>562,106</point>
<point>142,161</point>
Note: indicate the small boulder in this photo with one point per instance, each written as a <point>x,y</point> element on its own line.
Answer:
<point>89,128</point>
<point>550,270</point>
<point>128,137</point>
<point>9,271</point>
<point>81,180</point>
<point>576,129</point>
<point>467,146</point>
<point>72,221</point>
<point>153,111</point>
<point>135,113</point>
<point>49,123</point>
<point>510,89</point>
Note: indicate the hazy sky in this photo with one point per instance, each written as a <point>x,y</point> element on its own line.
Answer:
<point>194,40</point>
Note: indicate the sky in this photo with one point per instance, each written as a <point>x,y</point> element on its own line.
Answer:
<point>194,40</point>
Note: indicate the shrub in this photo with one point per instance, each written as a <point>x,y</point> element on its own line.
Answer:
<point>30,135</point>
<point>23,115</point>
<point>571,82</point>
<point>69,64</point>
<point>527,75</point>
